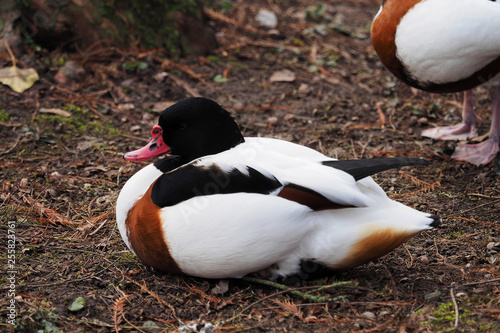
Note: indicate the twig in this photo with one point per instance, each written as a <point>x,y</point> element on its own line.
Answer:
<point>184,85</point>
<point>424,186</point>
<point>493,224</point>
<point>484,196</point>
<point>335,284</point>
<point>479,206</point>
<point>480,282</point>
<point>169,64</point>
<point>11,124</point>
<point>295,291</point>
<point>11,148</point>
<point>222,18</point>
<point>27,285</point>
<point>14,61</point>
<point>117,308</point>
<point>411,257</point>
<point>99,227</point>
<point>150,292</point>
<point>381,115</point>
<point>455,305</point>
<point>262,108</point>
<point>283,292</point>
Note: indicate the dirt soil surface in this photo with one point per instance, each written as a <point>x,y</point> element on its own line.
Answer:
<point>62,168</point>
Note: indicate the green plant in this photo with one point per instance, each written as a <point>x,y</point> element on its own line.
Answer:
<point>4,116</point>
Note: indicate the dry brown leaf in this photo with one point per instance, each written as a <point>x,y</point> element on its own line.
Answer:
<point>118,311</point>
<point>18,79</point>
<point>289,307</point>
<point>51,215</point>
<point>55,111</point>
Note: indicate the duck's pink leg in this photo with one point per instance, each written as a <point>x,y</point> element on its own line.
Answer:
<point>463,131</point>
<point>484,152</point>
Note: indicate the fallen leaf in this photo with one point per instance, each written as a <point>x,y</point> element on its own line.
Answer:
<point>18,79</point>
<point>160,106</point>
<point>86,143</point>
<point>160,76</point>
<point>284,75</point>
<point>433,295</point>
<point>221,287</point>
<point>96,168</point>
<point>289,307</point>
<point>220,79</point>
<point>126,106</point>
<point>77,304</point>
<point>55,111</point>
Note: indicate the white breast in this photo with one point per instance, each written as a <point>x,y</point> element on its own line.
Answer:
<point>133,189</point>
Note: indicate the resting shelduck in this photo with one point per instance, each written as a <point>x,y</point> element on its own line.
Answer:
<point>445,46</point>
<point>224,206</point>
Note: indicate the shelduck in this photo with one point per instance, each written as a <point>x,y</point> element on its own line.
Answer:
<point>221,205</point>
<point>445,46</point>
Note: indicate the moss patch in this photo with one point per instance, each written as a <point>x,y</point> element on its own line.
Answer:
<point>81,122</point>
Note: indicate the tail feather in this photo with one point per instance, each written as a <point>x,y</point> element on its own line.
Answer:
<point>360,169</point>
<point>436,221</point>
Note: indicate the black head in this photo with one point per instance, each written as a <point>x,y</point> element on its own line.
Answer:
<point>197,127</point>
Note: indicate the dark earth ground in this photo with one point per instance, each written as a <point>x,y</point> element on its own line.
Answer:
<point>61,175</point>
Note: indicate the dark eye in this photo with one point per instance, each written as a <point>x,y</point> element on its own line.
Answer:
<point>183,126</point>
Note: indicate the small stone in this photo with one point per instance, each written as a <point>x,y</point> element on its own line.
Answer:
<point>69,72</point>
<point>267,18</point>
<point>303,89</point>
<point>290,117</point>
<point>6,186</point>
<point>369,315</point>
<point>135,128</point>
<point>480,290</point>
<point>127,83</point>
<point>52,192</point>
<point>221,287</point>
<point>126,106</point>
<point>272,120</point>
<point>159,77</point>
<point>423,120</point>
<point>148,117</point>
<point>23,183</point>
<point>284,75</point>
<point>54,176</point>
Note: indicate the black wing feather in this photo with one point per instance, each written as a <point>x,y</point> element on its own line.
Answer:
<point>190,181</point>
<point>360,169</point>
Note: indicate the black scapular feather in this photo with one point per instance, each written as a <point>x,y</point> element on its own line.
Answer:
<point>360,169</point>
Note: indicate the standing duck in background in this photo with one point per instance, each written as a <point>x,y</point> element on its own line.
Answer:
<point>444,46</point>
<point>222,205</point>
